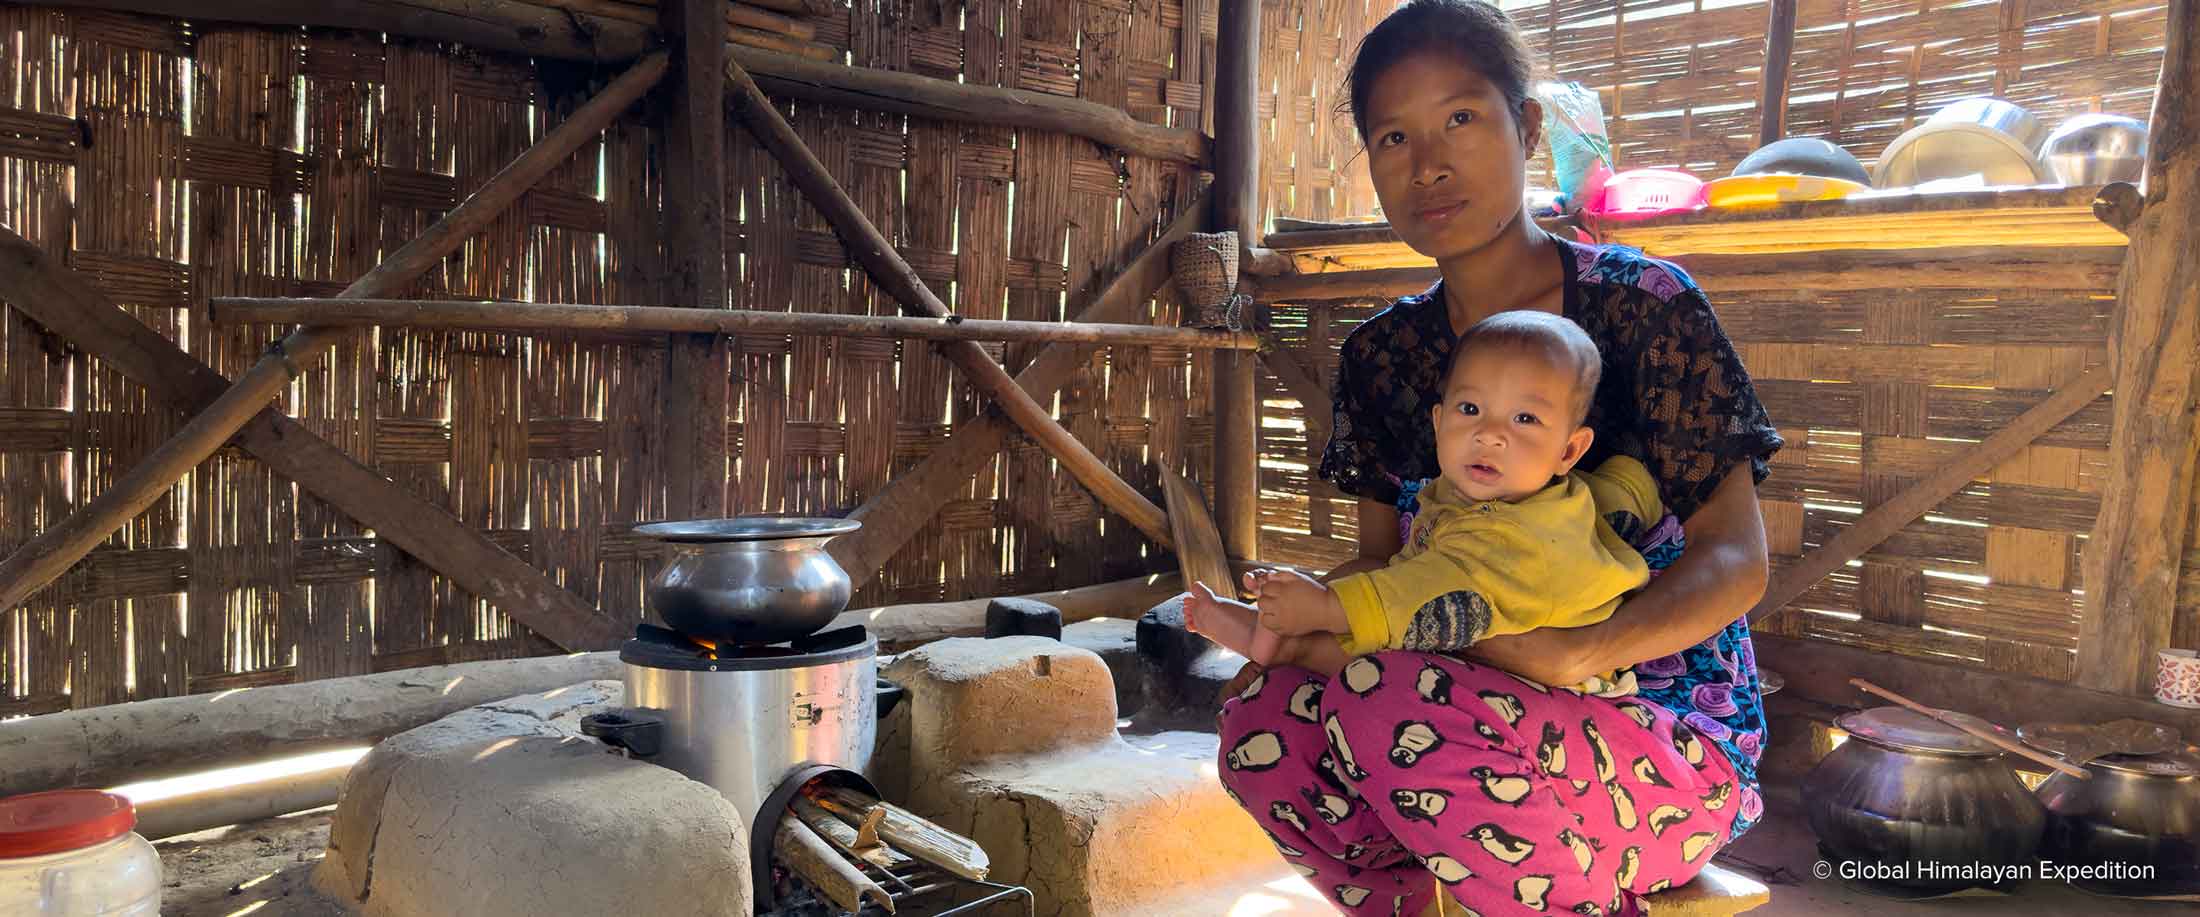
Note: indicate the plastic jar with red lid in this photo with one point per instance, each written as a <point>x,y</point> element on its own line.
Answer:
<point>72,853</point>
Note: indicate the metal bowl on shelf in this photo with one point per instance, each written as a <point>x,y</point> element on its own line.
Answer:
<point>2096,149</point>
<point>1990,138</point>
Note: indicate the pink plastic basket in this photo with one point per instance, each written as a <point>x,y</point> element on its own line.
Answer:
<point>1649,192</point>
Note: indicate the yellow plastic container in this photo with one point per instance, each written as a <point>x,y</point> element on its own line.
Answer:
<point>1751,190</point>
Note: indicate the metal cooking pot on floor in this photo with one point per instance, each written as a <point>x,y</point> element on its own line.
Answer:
<point>1906,790</point>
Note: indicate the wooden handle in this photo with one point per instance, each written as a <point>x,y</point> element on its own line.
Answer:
<point>2004,744</point>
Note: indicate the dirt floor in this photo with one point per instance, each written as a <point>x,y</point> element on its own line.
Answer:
<point>262,869</point>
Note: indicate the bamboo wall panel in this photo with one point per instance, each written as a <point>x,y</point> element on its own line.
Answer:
<point>171,162</point>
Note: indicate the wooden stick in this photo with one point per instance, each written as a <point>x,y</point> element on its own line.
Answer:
<point>798,846</point>
<point>1887,518</point>
<point>525,318</point>
<point>1199,551</point>
<point>909,833</point>
<point>1772,91</point>
<point>1997,740</point>
<point>2138,544</point>
<point>896,277</point>
<point>63,544</point>
<point>57,298</point>
<point>910,499</point>
<point>848,838</point>
<point>544,32</point>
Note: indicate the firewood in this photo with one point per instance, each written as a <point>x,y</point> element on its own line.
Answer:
<point>908,832</point>
<point>800,847</point>
<point>867,832</point>
<point>846,837</point>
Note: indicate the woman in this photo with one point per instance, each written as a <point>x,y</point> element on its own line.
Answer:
<point>1416,771</point>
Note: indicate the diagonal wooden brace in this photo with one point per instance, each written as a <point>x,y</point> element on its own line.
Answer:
<point>1882,521</point>
<point>60,546</point>
<point>910,499</point>
<point>887,268</point>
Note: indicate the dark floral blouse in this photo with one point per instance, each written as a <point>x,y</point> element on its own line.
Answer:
<point>1674,396</point>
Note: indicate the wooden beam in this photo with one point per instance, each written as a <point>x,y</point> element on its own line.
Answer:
<point>1970,268</point>
<point>1237,209</point>
<point>500,25</point>
<point>61,545</point>
<point>910,499</point>
<point>1884,520</point>
<point>697,372</point>
<point>58,299</point>
<point>894,275</point>
<point>1819,671</point>
<point>1772,88</point>
<point>538,318</point>
<point>925,97</point>
<point>2132,559</point>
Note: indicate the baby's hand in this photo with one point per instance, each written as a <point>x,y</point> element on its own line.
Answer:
<point>1292,603</point>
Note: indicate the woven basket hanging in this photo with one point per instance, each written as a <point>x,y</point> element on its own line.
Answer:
<point>1205,266</point>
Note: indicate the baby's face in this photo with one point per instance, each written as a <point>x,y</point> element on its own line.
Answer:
<point>1505,427</point>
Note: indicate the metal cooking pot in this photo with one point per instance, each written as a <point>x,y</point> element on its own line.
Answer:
<point>753,579</point>
<point>2138,810</point>
<point>1905,790</point>
<point>2096,150</point>
<point>1988,137</point>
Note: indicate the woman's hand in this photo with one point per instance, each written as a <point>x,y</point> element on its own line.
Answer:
<point>1292,603</point>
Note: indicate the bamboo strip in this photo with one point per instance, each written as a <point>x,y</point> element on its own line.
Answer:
<point>550,317</point>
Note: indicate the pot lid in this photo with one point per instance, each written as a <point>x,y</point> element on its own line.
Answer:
<point>1903,729</point>
<point>2170,764</point>
<point>747,528</point>
<point>2079,743</point>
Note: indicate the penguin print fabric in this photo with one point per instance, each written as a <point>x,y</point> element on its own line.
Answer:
<point>1413,771</point>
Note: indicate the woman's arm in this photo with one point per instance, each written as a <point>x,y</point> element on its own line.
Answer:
<point>1718,578</point>
<point>1379,540</point>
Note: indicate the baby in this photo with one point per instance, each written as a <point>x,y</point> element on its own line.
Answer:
<point>1509,539</point>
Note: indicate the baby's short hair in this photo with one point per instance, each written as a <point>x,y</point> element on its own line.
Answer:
<point>1553,338</point>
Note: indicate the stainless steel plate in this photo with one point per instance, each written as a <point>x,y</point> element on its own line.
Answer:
<point>746,528</point>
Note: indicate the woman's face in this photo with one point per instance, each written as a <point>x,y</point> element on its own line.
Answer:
<point>1448,159</point>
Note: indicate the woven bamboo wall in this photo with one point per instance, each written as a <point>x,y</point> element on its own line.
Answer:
<point>170,163</point>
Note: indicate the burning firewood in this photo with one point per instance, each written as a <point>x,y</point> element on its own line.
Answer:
<point>816,861</point>
<point>906,831</point>
<point>844,836</point>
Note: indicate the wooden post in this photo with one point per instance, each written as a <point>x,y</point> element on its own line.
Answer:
<point>1772,91</point>
<point>64,543</point>
<point>67,306</point>
<point>696,368</point>
<point>2132,559</point>
<point>894,275</point>
<point>1237,208</point>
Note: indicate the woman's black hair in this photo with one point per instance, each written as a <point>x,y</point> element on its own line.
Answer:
<point>1474,32</point>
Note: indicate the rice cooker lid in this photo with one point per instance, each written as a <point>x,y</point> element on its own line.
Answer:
<point>1903,729</point>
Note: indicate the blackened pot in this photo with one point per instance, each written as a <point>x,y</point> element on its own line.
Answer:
<point>1918,802</point>
<point>2134,827</point>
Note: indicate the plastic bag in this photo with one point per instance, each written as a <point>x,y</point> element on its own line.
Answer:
<point>1581,153</point>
